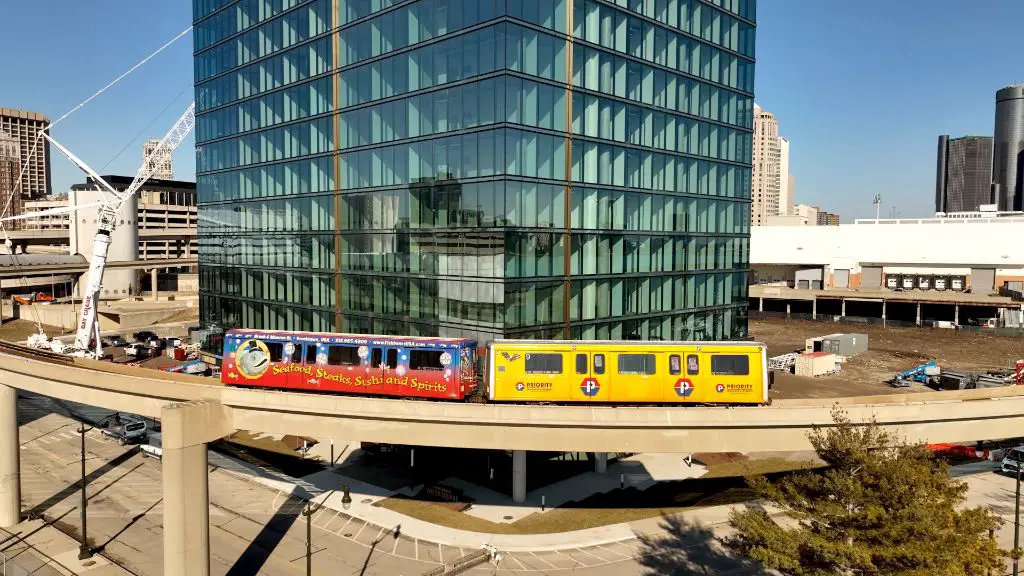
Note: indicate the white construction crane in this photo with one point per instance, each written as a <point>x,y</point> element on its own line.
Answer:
<point>88,329</point>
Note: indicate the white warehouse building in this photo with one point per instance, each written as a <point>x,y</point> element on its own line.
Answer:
<point>976,252</point>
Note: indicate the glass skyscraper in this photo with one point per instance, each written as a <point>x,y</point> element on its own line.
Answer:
<point>480,168</point>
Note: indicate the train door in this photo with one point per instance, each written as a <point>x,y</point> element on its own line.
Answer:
<point>383,365</point>
<point>294,353</point>
<point>467,370</point>
<point>585,386</point>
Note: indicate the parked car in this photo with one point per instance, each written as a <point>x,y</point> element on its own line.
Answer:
<point>117,341</point>
<point>152,447</point>
<point>138,349</point>
<point>1011,461</point>
<point>157,344</point>
<point>144,336</point>
<point>124,428</point>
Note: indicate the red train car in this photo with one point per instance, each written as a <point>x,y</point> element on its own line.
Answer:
<point>402,366</point>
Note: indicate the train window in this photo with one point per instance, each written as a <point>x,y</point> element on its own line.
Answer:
<point>377,358</point>
<point>636,364</point>
<point>581,363</point>
<point>425,360</point>
<point>692,365</point>
<point>598,363</point>
<point>297,353</point>
<point>730,365</point>
<point>310,353</point>
<point>675,365</point>
<point>392,358</point>
<point>275,349</point>
<point>343,356</point>
<point>543,363</point>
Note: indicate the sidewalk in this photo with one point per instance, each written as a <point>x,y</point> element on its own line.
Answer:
<point>38,549</point>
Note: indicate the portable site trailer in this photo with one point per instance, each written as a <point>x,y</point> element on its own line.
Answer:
<point>815,364</point>
<point>845,344</point>
<point>814,344</point>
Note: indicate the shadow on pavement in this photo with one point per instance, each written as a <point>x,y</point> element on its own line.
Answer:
<point>687,549</point>
<point>99,549</point>
<point>255,556</point>
<point>45,505</point>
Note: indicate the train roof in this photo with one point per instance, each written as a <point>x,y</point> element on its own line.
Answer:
<point>346,335</point>
<point>635,342</point>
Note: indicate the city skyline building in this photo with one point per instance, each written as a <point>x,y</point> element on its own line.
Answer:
<point>34,155</point>
<point>963,180</point>
<point>10,162</point>
<point>785,179</point>
<point>827,218</point>
<point>463,168</point>
<point>765,182</point>
<point>162,162</point>
<point>1008,149</point>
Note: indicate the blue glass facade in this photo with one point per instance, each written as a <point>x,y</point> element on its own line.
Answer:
<point>515,168</point>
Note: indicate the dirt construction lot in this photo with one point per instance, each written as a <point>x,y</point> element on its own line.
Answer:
<point>890,350</point>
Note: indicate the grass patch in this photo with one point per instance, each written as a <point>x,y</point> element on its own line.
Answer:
<point>724,484</point>
<point>756,467</point>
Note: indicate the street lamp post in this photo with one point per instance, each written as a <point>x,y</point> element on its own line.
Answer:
<point>308,513</point>
<point>1016,524</point>
<point>84,552</point>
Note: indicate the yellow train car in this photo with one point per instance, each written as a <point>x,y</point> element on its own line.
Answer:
<point>627,372</point>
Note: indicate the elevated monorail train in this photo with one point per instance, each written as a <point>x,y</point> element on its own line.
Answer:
<point>512,371</point>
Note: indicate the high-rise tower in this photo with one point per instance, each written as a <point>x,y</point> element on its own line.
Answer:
<point>541,168</point>
<point>1008,147</point>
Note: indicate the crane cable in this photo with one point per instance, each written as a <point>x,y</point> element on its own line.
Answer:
<point>39,138</point>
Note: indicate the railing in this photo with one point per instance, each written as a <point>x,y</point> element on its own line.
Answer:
<point>862,320</point>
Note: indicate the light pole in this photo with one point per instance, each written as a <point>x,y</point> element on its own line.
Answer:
<point>84,552</point>
<point>1016,522</point>
<point>308,513</point>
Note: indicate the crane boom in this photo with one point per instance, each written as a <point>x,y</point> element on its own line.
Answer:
<point>107,221</point>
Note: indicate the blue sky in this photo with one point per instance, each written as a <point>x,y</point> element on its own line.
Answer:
<point>861,88</point>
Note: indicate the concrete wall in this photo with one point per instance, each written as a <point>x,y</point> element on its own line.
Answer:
<point>124,242</point>
<point>928,242</point>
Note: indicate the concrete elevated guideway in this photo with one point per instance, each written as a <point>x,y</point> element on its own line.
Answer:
<point>195,411</point>
<point>19,271</point>
<point>48,237</point>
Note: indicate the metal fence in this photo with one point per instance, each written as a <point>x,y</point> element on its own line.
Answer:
<point>866,320</point>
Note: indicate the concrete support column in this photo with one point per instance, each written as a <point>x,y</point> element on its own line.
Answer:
<point>883,311</point>
<point>760,304</point>
<point>814,309</point>
<point>956,314</point>
<point>10,466</point>
<point>186,429</point>
<point>186,511</point>
<point>918,313</point>
<point>789,309</point>
<point>152,279</point>
<point>843,312</point>
<point>600,462</point>
<point>519,476</point>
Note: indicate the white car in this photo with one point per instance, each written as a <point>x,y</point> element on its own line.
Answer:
<point>136,349</point>
<point>152,447</point>
<point>1012,461</point>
